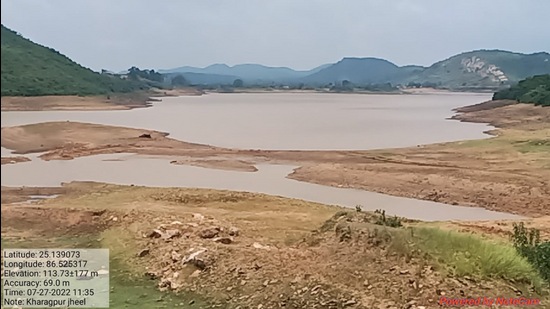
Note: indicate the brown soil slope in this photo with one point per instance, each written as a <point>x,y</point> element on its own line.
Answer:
<point>249,250</point>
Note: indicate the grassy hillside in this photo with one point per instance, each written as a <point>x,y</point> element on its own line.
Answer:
<point>356,70</point>
<point>535,90</point>
<point>483,69</point>
<point>29,69</point>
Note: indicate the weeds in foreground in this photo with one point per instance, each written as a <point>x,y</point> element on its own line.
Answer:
<point>382,219</point>
<point>528,244</point>
<point>464,254</point>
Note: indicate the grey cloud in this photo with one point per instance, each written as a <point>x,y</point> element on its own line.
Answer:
<point>299,34</point>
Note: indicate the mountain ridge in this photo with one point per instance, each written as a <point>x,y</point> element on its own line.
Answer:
<point>482,68</point>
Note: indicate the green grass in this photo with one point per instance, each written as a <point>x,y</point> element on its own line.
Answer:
<point>462,254</point>
<point>129,289</point>
<point>536,145</point>
<point>29,69</point>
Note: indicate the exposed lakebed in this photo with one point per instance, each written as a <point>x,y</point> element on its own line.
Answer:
<point>266,121</point>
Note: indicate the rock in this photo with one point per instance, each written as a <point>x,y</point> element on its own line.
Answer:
<point>369,287</point>
<point>229,288</point>
<point>175,256</point>
<point>260,246</point>
<point>366,283</point>
<point>115,219</point>
<point>176,223</point>
<point>243,282</point>
<point>198,217</point>
<point>409,304</point>
<point>233,231</point>
<point>350,303</point>
<point>145,135</point>
<point>155,234</point>
<point>513,288</point>
<point>404,272</point>
<point>266,283</point>
<point>209,232</point>
<point>193,257</point>
<point>223,240</point>
<point>169,234</point>
<point>143,252</point>
<point>98,213</point>
<point>195,274</point>
<point>151,275</point>
<point>192,301</point>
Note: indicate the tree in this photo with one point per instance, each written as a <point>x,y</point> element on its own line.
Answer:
<point>179,81</point>
<point>238,83</point>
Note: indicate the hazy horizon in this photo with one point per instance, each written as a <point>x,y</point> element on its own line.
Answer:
<point>298,35</point>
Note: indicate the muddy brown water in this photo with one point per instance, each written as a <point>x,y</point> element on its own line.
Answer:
<point>267,121</point>
<point>299,121</point>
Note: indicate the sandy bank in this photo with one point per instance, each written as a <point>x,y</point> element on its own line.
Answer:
<point>13,160</point>
<point>509,172</point>
<point>91,103</point>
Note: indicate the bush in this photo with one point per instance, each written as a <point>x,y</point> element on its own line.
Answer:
<point>527,243</point>
<point>381,219</point>
<point>534,89</point>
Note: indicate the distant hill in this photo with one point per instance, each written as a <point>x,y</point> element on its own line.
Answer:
<point>357,71</point>
<point>193,78</point>
<point>29,69</point>
<point>483,68</point>
<point>535,90</point>
<point>249,73</point>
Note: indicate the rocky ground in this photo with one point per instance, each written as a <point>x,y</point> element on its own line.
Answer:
<point>244,250</point>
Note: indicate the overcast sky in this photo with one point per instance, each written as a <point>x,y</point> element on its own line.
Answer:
<point>300,34</point>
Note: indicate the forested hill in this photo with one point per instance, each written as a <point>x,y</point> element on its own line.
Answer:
<point>534,89</point>
<point>29,69</point>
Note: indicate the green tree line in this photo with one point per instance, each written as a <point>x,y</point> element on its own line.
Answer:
<point>534,89</point>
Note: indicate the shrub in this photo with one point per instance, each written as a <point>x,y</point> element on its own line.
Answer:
<point>381,219</point>
<point>527,243</point>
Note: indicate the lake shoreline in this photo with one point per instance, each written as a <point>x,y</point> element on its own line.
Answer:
<point>140,99</point>
<point>426,173</point>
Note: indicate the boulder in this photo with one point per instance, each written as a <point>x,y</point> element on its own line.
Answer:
<point>223,240</point>
<point>210,232</point>
<point>143,253</point>
<point>169,234</point>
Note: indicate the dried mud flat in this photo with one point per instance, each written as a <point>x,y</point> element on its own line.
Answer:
<point>246,250</point>
<point>509,172</point>
<point>90,103</point>
<point>15,159</point>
